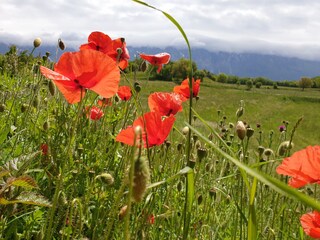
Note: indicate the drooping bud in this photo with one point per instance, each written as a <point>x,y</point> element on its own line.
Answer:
<point>268,152</point>
<point>106,178</point>
<point>250,132</point>
<point>37,42</point>
<point>241,130</point>
<point>202,153</point>
<point>239,112</point>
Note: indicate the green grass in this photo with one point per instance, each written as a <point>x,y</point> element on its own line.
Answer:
<point>267,106</point>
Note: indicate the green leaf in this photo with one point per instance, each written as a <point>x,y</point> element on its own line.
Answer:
<point>29,198</point>
<point>22,181</point>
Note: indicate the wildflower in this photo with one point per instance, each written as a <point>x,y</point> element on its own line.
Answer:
<point>94,113</point>
<point>86,69</point>
<point>103,102</point>
<point>282,128</point>
<point>303,167</point>
<point>151,219</point>
<point>44,148</point>
<point>155,130</point>
<point>165,103</point>
<point>116,49</point>
<point>184,89</point>
<point>124,92</point>
<point>157,60</point>
<point>310,223</point>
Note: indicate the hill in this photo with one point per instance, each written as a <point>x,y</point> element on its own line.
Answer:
<point>273,67</point>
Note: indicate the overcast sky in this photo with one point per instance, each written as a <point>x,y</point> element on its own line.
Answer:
<point>285,27</point>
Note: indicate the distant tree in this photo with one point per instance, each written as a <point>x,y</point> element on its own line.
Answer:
<point>305,82</point>
<point>222,77</point>
<point>200,74</point>
<point>258,84</point>
<point>316,81</point>
<point>181,69</point>
<point>275,85</point>
<point>232,79</point>
<point>249,84</point>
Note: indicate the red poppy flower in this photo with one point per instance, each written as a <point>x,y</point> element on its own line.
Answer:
<point>155,130</point>
<point>44,148</point>
<point>151,219</point>
<point>157,60</point>
<point>86,69</point>
<point>310,223</point>
<point>184,89</point>
<point>98,41</point>
<point>94,113</point>
<point>303,167</point>
<point>120,52</point>
<point>124,92</point>
<point>165,103</point>
<point>116,49</point>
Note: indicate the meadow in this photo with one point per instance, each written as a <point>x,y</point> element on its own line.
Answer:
<point>89,151</point>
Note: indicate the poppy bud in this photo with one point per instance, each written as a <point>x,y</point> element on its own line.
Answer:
<point>284,147</point>
<point>241,130</point>
<point>106,178</point>
<point>61,44</point>
<point>141,178</point>
<point>239,112</point>
<point>45,126</point>
<point>24,107</point>
<point>36,101</point>
<point>260,150</point>
<point>123,212</point>
<point>2,107</point>
<point>44,58</point>
<point>213,193</point>
<point>200,199</point>
<point>250,132</point>
<point>185,130</point>
<point>37,42</point>
<point>268,152</point>
<point>143,66</point>
<point>202,153</point>
<point>137,87</point>
<point>47,54</point>
<point>179,186</point>
<point>52,88</point>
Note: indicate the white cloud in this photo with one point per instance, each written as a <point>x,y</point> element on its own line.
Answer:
<point>289,27</point>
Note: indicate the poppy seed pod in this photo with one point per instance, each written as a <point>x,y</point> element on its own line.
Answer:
<point>241,130</point>
<point>37,42</point>
<point>141,178</point>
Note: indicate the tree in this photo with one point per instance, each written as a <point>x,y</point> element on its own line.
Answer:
<point>305,82</point>
<point>222,77</point>
<point>181,69</point>
<point>249,84</point>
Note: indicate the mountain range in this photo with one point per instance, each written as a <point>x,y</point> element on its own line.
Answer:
<point>273,67</point>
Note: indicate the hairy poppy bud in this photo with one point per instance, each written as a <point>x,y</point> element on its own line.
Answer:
<point>143,66</point>
<point>123,212</point>
<point>268,152</point>
<point>61,44</point>
<point>45,125</point>
<point>106,178</point>
<point>52,88</point>
<point>241,130</point>
<point>37,42</point>
<point>47,54</point>
<point>202,153</point>
<point>24,107</point>
<point>137,87</point>
<point>141,178</point>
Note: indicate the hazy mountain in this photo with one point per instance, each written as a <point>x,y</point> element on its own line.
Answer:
<point>240,64</point>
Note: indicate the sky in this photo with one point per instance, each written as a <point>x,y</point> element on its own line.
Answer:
<point>281,27</point>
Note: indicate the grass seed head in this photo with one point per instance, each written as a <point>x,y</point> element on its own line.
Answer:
<point>141,179</point>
